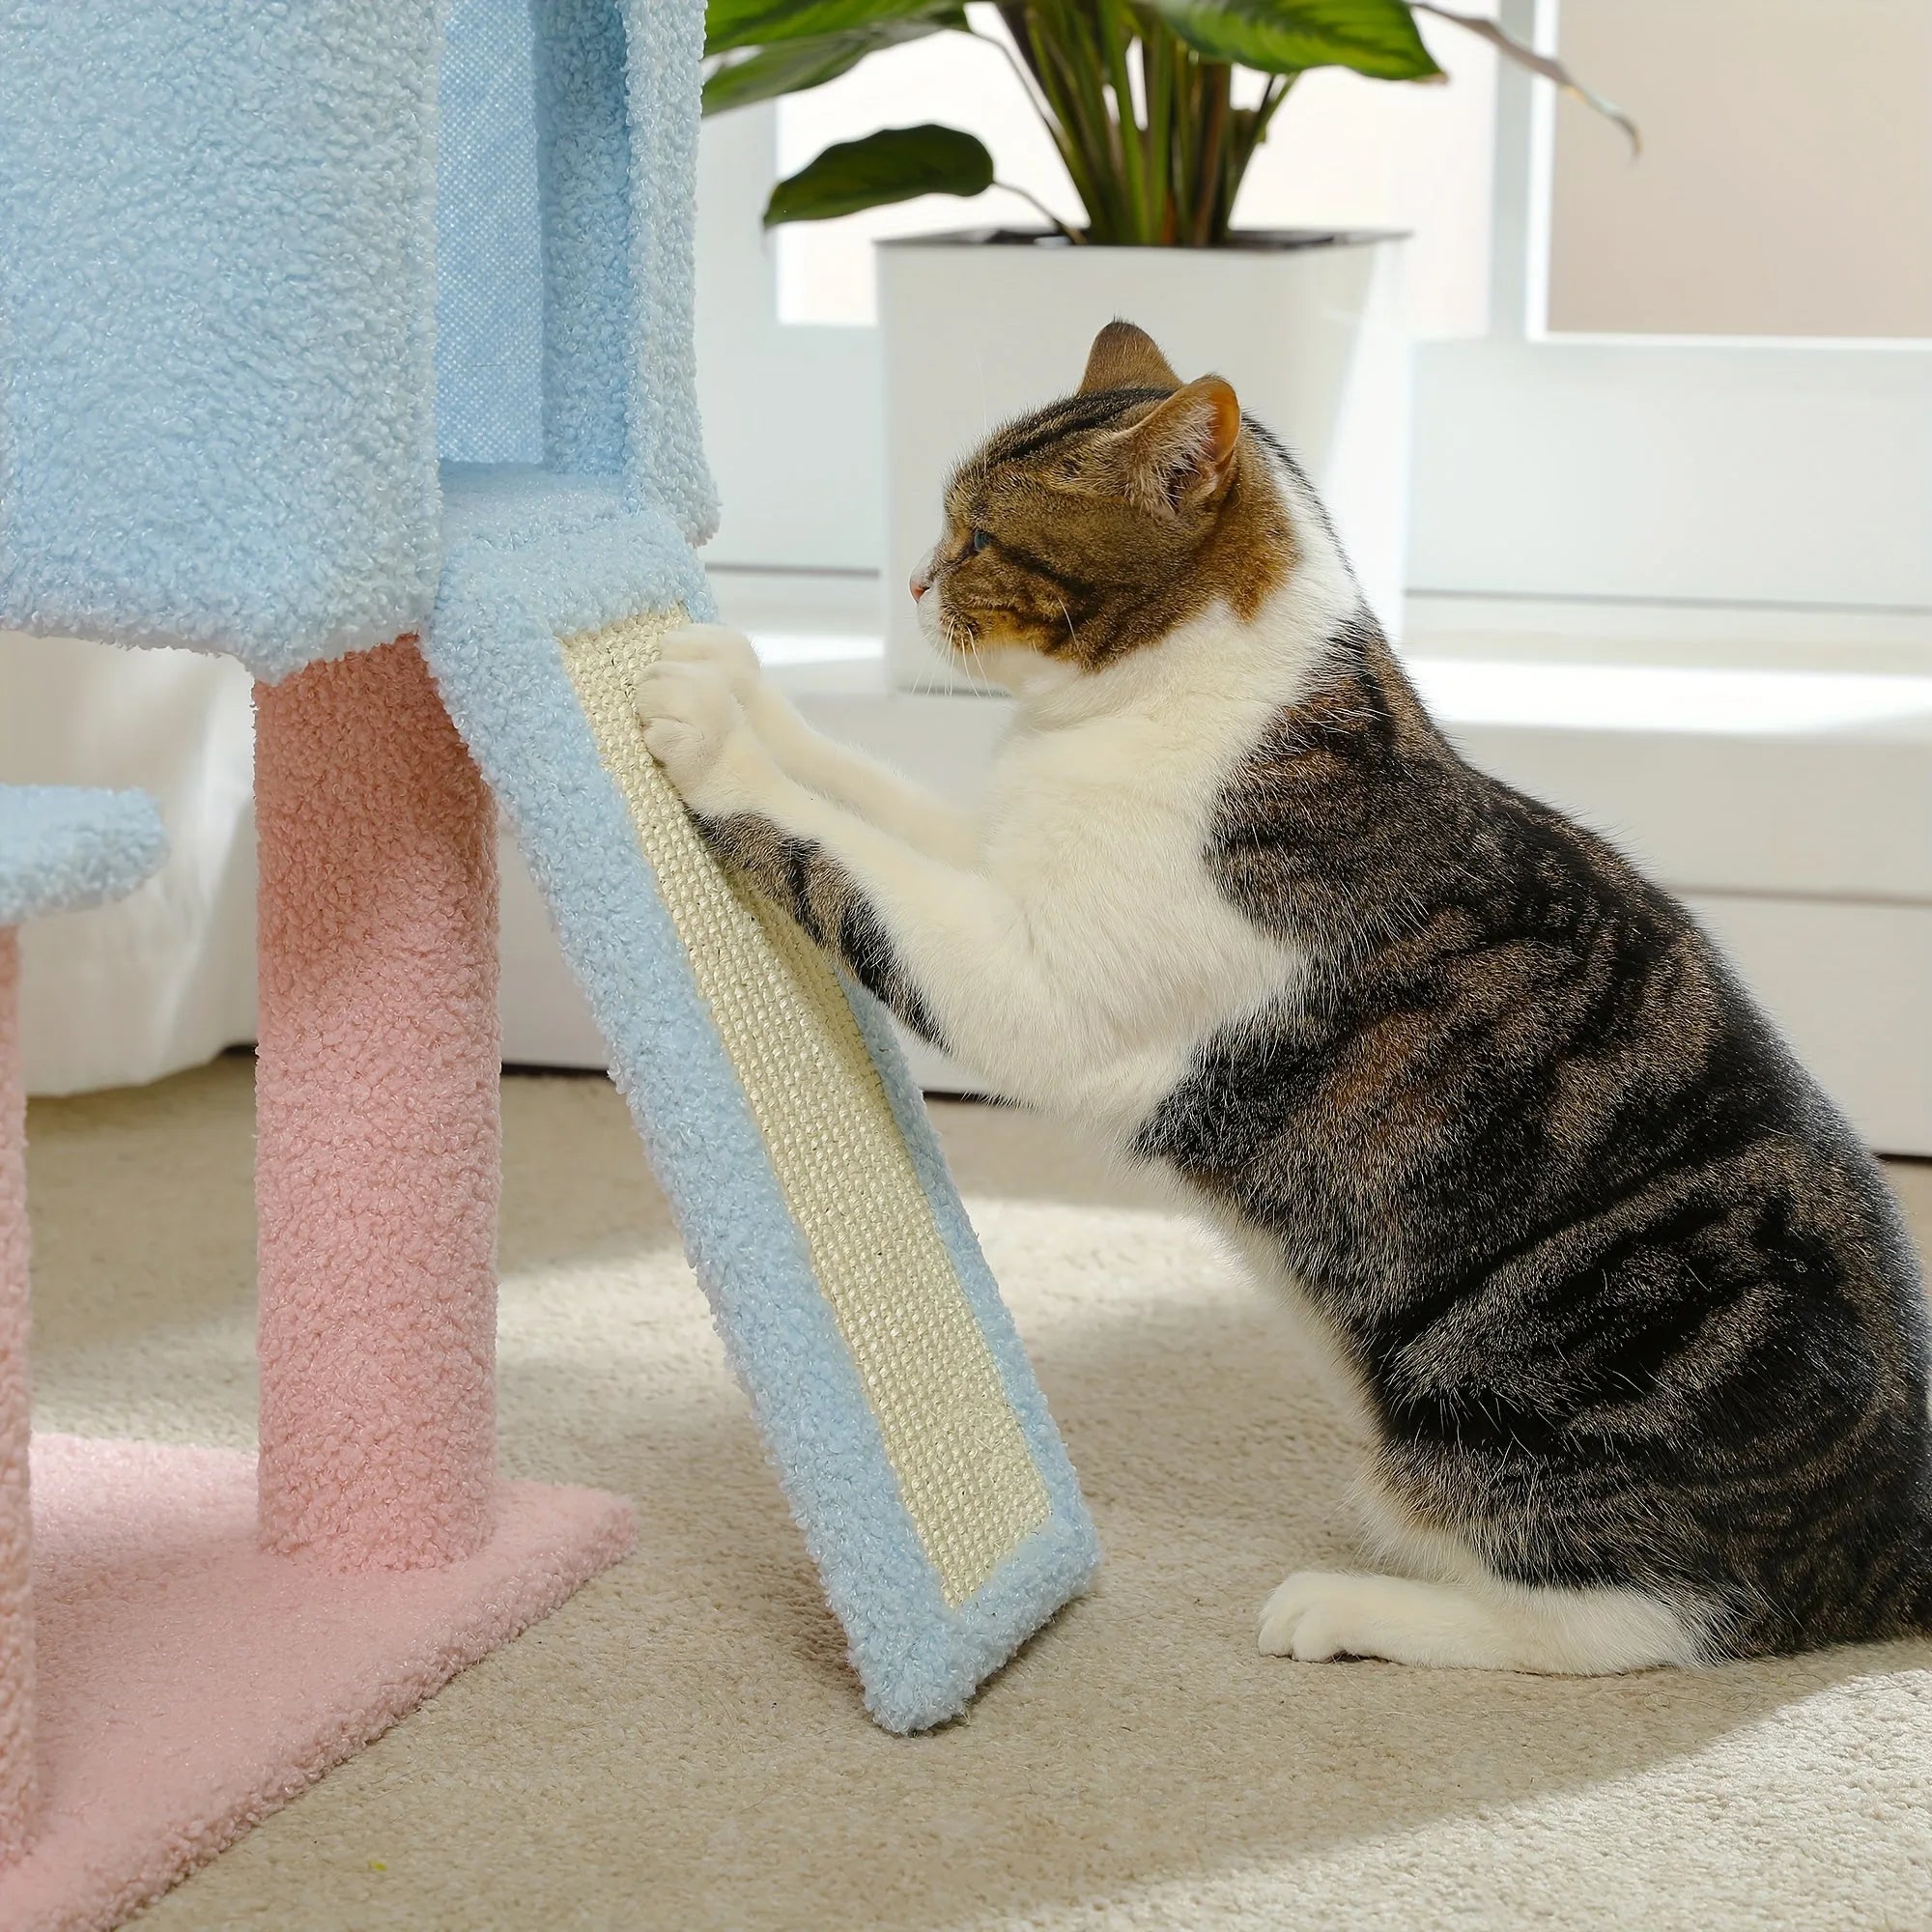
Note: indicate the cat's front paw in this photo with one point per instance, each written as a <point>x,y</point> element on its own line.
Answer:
<point>696,730</point>
<point>727,652</point>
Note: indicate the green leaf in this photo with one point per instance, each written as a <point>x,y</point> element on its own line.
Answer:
<point>763,23</point>
<point>894,164</point>
<point>1376,37</point>
<point>793,66</point>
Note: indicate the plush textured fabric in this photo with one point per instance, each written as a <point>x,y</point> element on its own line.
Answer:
<point>191,1683</point>
<point>665,53</point>
<point>583,147</point>
<point>62,847</point>
<point>489,285</point>
<point>218,299</point>
<point>566,213</point>
<point>378,1150</point>
<point>507,596</point>
<point>217,309</point>
<point>18,1783</point>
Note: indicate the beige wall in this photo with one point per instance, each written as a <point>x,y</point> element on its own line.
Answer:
<point>1786,181</point>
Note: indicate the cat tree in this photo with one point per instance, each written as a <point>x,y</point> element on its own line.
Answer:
<point>354,340</point>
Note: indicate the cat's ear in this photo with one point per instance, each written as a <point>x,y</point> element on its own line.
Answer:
<point>1124,357</point>
<point>1181,455</point>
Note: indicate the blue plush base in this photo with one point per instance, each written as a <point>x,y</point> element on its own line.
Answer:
<point>531,559</point>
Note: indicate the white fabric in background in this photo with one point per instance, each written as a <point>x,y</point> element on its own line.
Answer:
<point>165,979</point>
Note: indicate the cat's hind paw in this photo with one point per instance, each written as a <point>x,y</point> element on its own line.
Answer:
<point>1309,1617</point>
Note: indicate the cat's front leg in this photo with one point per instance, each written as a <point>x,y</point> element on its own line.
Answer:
<point>845,777</point>
<point>942,944</point>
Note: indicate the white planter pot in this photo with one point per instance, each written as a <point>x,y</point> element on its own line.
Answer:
<point>1310,330</point>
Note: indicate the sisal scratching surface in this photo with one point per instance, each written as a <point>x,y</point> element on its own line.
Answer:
<point>968,1480</point>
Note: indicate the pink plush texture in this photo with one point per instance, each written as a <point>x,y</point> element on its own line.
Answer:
<point>16,1596</point>
<point>191,1683</point>
<point>377,1157</point>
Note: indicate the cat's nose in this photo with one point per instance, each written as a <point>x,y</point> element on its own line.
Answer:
<point>920,585</point>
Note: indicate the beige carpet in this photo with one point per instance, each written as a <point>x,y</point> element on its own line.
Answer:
<point>681,1747</point>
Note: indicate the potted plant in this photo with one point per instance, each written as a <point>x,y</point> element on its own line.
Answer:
<point>1155,108</point>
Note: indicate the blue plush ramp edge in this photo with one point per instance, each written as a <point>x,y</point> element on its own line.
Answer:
<point>62,847</point>
<point>522,574</point>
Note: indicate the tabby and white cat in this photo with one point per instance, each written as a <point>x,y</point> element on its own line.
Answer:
<point>1629,1315</point>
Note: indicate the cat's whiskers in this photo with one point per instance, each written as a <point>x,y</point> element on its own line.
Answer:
<point>963,640</point>
<point>1067,616</point>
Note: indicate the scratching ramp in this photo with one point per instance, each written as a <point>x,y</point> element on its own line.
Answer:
<point>930,1381</point>
<point>911,1438</point>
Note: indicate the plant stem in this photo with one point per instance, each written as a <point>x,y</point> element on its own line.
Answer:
<point>1025,195</point>
<point>1086,157</point>
<point>1025,75</point>
<point>1272,95</point>
<point>1078,56</point>
<point>1251,130</point>
<point>1216,80</point>
<point>1115,33</point>
<point>1060,115</point>
<point>1158,78</point>
<point>1184,139</point>
<point>1171,180</point>
<point>1030,85</point>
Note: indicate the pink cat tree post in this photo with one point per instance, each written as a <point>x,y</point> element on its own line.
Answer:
<point>203,1632</point>
<point>17,1781</point>
<point>376,1107</point>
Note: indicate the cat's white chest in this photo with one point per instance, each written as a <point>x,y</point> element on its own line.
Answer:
<point>1100,832</point>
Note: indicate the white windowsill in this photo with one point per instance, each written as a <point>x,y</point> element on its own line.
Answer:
<point>1510,663</point>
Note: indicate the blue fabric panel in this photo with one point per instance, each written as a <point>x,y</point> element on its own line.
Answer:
<point>216,275</point>
<point>584,147</point>
<point>667,448</point>
<point>490,278</point>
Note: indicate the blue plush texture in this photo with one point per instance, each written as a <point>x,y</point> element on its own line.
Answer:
<point>531,564</point>
<point>216,366</point>
<point>665,54</point>
<point>63,849</point>
<point>489,284</point>
<point>584,138</point>
<point>236,266</point>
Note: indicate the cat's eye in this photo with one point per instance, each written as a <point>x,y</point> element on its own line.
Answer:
<point>978,541</point>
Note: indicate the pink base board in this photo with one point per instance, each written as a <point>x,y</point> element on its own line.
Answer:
<point>191,1684</point>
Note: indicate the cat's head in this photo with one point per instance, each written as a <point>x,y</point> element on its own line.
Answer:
<point>1096,526</point>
